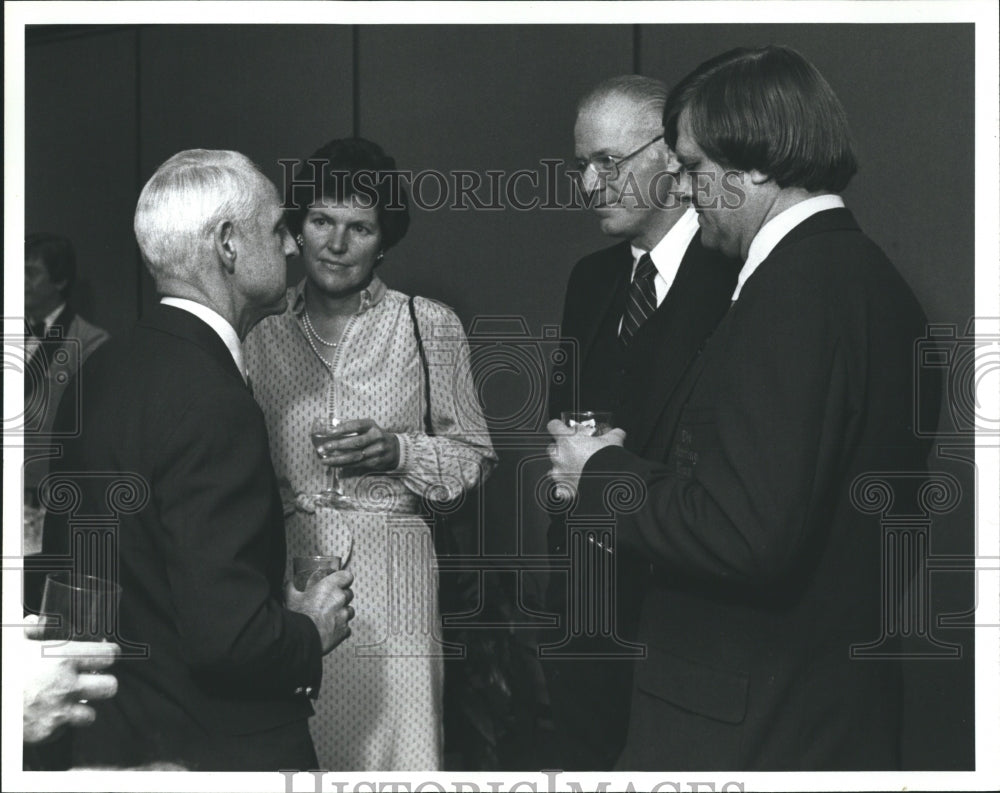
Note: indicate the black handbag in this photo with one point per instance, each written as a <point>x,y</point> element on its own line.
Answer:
<point>445,543</point>
<point>488,705</point>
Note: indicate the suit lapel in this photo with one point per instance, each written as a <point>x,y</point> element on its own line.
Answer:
<point>685,323</point>
<point>686,318</point>
<point>676,340</point>
<point>602,291</point>
<point>62,322</point>
<point>58,330</point>
<point>41,358</point>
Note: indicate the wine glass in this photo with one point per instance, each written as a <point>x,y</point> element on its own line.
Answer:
<point>323,429</point>
<point>588,422</point>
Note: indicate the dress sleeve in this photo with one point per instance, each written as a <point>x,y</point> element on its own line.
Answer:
<point>459,455</point>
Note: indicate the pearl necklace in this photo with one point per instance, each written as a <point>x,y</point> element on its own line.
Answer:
<point>312,344</point>
<point>319,355</point>
<point>324,342</point>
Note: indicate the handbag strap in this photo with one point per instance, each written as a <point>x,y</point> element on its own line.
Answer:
<point>423,363</point>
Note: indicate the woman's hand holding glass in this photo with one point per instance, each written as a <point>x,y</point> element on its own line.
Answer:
<point>361,444</point>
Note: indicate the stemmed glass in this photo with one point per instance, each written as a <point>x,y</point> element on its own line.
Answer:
<point>322,430</point>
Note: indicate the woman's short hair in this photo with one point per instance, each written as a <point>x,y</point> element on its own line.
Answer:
<point>57,255</point>
<point>353,169</point>
<point>766,109</point>
<point>187,197</point>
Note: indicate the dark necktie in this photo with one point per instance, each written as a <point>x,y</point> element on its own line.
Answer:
<point>640,302</point>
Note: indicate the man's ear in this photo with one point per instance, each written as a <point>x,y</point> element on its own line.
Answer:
<point>664,152</point>
<point>225,245</point>
<point>672,164</point>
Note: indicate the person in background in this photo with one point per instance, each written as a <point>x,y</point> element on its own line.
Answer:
<point>57,341</point>
<point>231,663</point>
<point>394,371</point>
<point>766,574</point>
<point>638,313</point>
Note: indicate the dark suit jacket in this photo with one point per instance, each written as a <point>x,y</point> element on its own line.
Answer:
<point>671,337</point>
<point>591,717</point>
<point>67,345</point>
<point>200,564</point>
<point>766,574</point>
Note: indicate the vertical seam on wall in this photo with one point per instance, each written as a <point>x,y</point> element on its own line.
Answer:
<point>355,80</point>
<point>637,49</point>
<point>138,161</point>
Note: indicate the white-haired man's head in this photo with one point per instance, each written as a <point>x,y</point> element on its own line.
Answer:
<point>623,162</point>
<point>642,98</point>
<point>185,200</point>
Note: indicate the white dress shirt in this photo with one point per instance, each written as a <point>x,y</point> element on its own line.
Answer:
<point>31,344</point>
<point>668,252</point>
<point>775,230</point>
<point>667,255</point>
<point>217,322</point>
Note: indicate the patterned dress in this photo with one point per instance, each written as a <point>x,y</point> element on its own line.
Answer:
<point>380,704</point>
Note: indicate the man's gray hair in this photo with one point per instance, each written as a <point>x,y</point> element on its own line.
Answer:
<point>187,197</point>
<point>646,93</point>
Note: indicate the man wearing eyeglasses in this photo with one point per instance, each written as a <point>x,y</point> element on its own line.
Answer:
<point>637,312</point>
<point>771,620</point>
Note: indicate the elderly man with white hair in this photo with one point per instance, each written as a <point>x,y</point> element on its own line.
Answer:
<point>231,661</point>
<point>635,315</point>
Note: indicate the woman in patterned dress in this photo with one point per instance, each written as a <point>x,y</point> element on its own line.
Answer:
<point>346,346</point>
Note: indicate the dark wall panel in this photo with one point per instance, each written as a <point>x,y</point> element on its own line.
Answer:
<point>80,155</point>
<point>486,97</point>
<point>268,91</point>
<point>481,98</point>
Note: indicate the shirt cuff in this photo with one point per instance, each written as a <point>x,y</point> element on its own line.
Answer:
<point>404,453</point>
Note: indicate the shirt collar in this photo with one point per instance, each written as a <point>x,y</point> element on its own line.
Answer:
<point>669,251</point>
<point>216,322</point>
<point>371,295</point>
<point>50,319</point>
<point>775,230</point>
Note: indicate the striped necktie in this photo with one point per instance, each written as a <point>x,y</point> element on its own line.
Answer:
<point>640,302</point>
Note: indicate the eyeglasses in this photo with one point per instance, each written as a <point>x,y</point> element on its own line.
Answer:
<point>609,167</point>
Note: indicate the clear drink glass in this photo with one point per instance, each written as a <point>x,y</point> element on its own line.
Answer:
<point>323,429</point>
<point>589,422</point>
<point>304,566</point>
<point>79,608</point>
